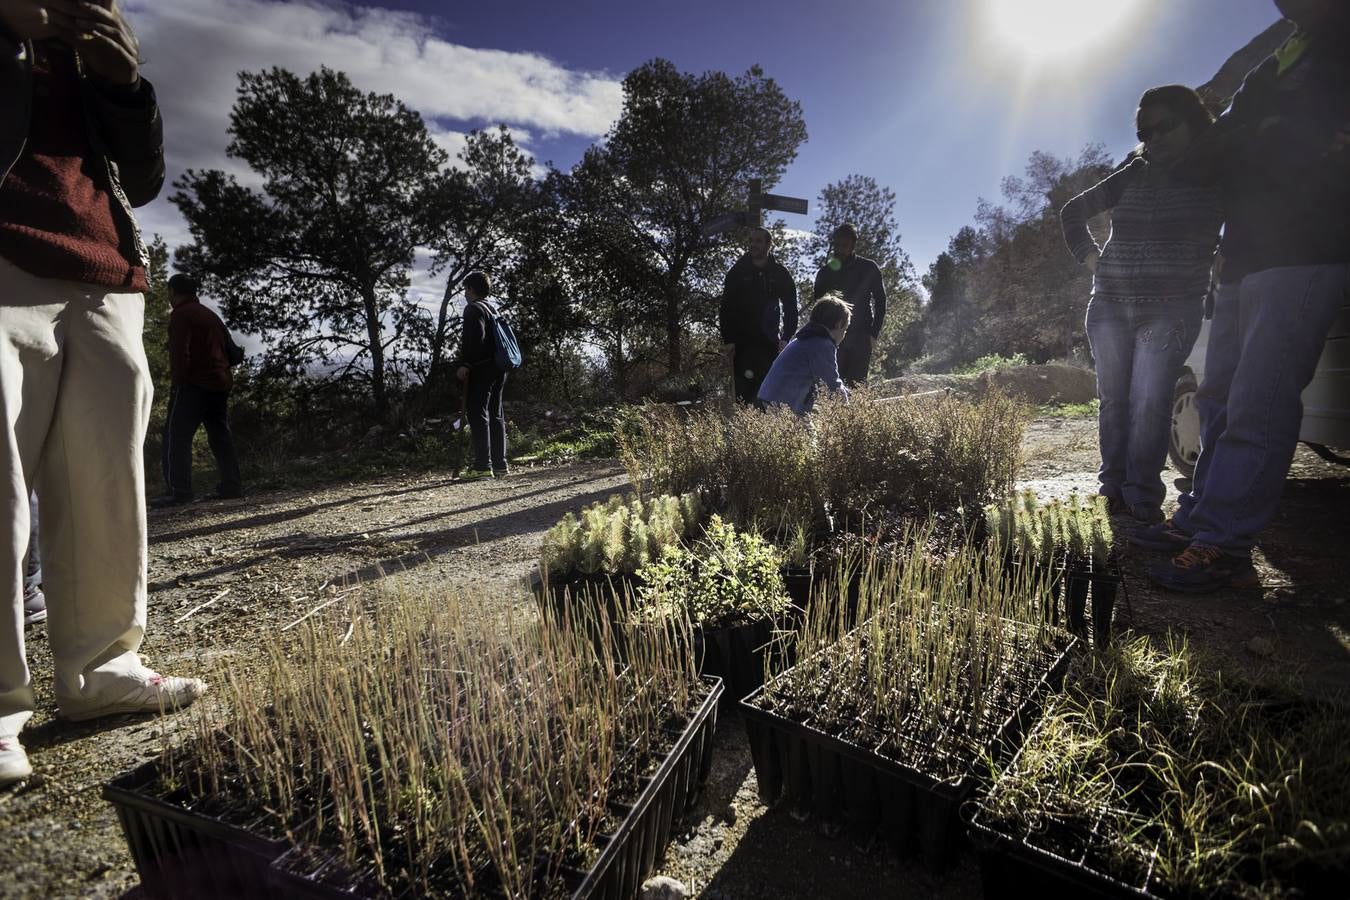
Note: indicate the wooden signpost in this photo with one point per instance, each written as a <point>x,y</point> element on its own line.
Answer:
<point>754,216</point>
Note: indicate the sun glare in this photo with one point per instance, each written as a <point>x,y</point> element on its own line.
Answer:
<point>1046,31</point>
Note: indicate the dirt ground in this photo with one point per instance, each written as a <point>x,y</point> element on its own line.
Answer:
<point>225,575</point>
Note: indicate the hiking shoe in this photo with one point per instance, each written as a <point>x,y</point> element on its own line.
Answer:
<point>1202,568</point>
<point>500,473</point>
<point>475,474</point>
<point>168,500</point>
<point>155,694</point>
<point>34,607</point>
<point>14,765</point>
<point>1165,536</point>
<point>1117,507</point>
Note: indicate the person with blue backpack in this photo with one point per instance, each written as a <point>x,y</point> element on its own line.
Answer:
<point>488,351</point>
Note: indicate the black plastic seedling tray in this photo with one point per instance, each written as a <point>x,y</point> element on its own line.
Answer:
<point>1015,869</point>
<point>874,795</point>
<point>180,853</point>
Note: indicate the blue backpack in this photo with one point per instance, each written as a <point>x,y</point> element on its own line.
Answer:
<point>506,349</point>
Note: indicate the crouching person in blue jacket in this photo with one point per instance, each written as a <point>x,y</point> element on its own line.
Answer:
<point>810,357</point>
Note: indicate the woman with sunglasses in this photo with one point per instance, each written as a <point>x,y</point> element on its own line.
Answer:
<point>1149,285</point>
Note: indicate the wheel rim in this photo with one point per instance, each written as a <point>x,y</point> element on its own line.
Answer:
<point>1185,428</point>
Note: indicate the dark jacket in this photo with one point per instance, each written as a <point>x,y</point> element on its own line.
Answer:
<point>759,304</point>
<point>124,128</point>
<point>810,358</point>
<point>197,348</point>
<point>859,281</point>
<point>476,347</point>
<point>1286,184</point>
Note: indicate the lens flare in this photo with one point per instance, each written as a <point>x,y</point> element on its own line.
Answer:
<point>1047,31</point>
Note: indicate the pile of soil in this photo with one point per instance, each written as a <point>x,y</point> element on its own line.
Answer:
<point>1041,385</point>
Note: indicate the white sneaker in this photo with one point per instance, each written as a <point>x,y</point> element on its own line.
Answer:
<point>34,607</point>
<point>156,694</point>
<point>14,765</point>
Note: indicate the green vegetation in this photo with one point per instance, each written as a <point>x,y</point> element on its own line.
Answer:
<point>728,577</point>
<point>1087,410</point>
<point>619,536</point>
<point>991,361</point>
<point>916,455</point>
<point>1152,761</point>
<point>591,436</point>
<point>1050,533</point>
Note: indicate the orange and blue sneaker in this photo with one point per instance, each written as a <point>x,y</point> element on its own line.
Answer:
<point>1202,568</point>
<point>1164,536</point>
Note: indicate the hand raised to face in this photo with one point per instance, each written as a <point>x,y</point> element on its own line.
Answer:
<point>97,30</point>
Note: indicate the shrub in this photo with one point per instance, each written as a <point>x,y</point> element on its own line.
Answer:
<point>918,455</point>
<point>728,577</point>
<point>991,362</point>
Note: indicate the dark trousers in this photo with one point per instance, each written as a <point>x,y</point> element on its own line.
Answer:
<point>190,407</point>
<point>487,427</point>
<point>855,356</point>
<point>749,366</point>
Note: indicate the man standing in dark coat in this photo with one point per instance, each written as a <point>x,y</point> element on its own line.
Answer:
<point>859,281</point>
<point>199,370</point>
<point>758,314</point>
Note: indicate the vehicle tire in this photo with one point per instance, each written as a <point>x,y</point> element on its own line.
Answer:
<point>1183,446</point>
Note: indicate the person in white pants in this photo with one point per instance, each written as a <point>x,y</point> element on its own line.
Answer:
<point>81,142</point>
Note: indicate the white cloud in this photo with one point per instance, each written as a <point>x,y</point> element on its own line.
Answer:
<point>194,50</point>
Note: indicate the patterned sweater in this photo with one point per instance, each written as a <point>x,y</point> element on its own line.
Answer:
<point>1163,234</point>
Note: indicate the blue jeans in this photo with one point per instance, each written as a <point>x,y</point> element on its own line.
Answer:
<point>1264,343</point>
<point>1140,349</point>
<point>32,568</point>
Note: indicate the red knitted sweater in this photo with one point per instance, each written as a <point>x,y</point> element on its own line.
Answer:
<point>56,212</point>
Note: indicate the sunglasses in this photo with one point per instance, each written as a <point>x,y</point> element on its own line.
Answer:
<point>1166,126</point>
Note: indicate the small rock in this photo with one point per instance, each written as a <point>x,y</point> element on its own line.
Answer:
<point>663,887</point>
<point>1262,647</point>
<point>729,814</point>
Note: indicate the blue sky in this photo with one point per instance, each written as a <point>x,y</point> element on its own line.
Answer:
<point>927,97</point>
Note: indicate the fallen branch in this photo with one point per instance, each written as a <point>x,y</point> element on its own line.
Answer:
<point>196,609</point>
<point>324,605</point>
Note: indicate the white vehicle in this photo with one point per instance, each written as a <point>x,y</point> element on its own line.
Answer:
<point>1326,400</point>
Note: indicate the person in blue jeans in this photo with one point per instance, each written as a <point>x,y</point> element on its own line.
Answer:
<point>1148,291</point>
<point>811,358</point>
<point>1282,151</point>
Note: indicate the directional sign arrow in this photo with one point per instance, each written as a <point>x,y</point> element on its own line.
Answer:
<point>725,222</point>
<point>784,204</point>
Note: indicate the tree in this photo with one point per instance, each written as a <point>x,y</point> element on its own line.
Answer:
<point>472,217</point>
<point>952,318</point>
<point>683,151</point>
<point>317,262</point>
<point>1040,289</point>
<point>871,208</point>
<point>155,333</point>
